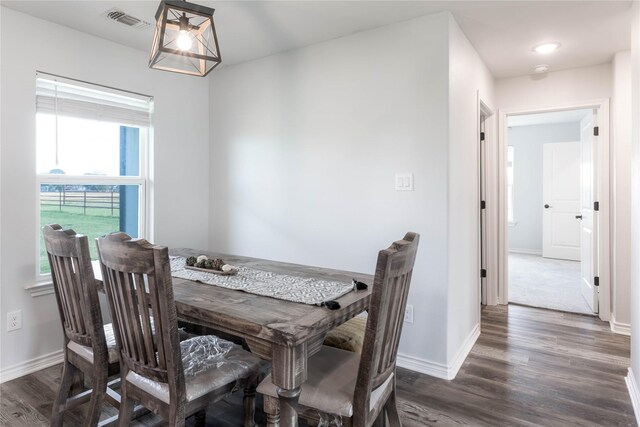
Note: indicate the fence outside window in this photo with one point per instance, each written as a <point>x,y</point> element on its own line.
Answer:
<point>61,198</point>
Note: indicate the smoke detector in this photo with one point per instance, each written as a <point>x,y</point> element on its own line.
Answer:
<point>122,17</point>
<point>541,69</point>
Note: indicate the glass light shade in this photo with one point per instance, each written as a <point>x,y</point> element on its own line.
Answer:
<point>185,39</point>
<point>546,48</point>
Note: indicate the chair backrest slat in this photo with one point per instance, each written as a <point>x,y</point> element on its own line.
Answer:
<point>386,315</point>
<point>138,284</point>
<point>62,292</point>
<point>119,330</point>
<point>146,316</point>
<point>157,322</point>
<point>135,319</point>
<point>66,288</point>
<point>72,280</point>
<point>75,287</point>
<point>118,288</point>
<point>399,319</point>
<point>393,329</point>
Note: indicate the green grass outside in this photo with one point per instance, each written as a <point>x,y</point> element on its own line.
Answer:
<point>95,223</point>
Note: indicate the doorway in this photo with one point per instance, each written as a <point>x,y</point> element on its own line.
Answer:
<point>553,192</point>
<point>487,200</point>
<point>547,156</point>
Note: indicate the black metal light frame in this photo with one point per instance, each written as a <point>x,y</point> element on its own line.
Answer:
<point>175,16</point>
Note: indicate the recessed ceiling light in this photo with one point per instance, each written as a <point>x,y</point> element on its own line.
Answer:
<point>542,68</point>
<point>546,47</point>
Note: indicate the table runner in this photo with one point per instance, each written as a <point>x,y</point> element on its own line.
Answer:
<point>281,286</point>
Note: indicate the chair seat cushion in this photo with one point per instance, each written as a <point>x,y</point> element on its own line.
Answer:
<point>348,336</point>
<point>209,363</point>
<point>331,382</point>
<point>86,352</point>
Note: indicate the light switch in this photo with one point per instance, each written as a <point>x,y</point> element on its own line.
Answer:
<point>404,182</point>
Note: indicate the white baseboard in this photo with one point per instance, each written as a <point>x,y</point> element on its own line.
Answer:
<point>434,369</point>
<point>464,351</point>
<point>30,366</point>
<point>619,328</point>
<point>526,251</point>
<point>440,370</point>
<point>634,393</point>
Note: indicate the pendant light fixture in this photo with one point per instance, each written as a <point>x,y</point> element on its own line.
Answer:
<point>185,39</point>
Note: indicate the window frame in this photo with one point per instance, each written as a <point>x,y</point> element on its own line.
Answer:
<point>144,201</point>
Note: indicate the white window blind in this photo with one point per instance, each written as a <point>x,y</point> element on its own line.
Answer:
<point>62,97</point>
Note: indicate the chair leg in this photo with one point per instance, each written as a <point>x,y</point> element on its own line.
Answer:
<point>77,386</point>
<point>99,390</point>
<point>201,418</point>
<point>175,421</point>
<point>380,420</point>
<point>126,407</point>
<point>68,375</point>
<point>249,402</point>
<point>176,415</point>
<point>391,408</point>
<point>272,410</point>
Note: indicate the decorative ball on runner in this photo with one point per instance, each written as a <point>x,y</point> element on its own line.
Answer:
<point>217,264</point>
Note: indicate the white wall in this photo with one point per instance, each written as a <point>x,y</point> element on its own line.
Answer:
<point>305,146</point>
<point>304,150</point>
<point>621,190</point>
<point>468,75</point>
<point>634,374</point>
<point>181,159</point>
<point>555,88</point>
<point>527,141</point>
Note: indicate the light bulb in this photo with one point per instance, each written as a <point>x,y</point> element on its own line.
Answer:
<point>546,48</point>
<point>184,41</point>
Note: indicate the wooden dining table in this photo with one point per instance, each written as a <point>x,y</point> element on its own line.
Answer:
<point>282,332</point>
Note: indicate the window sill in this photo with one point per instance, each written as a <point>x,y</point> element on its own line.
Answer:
<point>512,223</point>
<point>40,289</point>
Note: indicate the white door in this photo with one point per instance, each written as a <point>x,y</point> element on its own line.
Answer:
<point>588,230</point>
<point>561,200</point>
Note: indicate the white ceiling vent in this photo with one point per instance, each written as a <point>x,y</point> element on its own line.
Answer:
<point>126,19</point>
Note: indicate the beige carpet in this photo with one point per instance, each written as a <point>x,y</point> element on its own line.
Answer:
<point>547,283</point>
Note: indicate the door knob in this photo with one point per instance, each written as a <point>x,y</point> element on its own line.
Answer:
<point>578,216</point>
<point>547,206</point>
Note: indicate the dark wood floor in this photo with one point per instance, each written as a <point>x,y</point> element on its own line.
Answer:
<point>530,367</point>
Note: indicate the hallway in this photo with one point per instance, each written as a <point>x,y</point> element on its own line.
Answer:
<point>530,367</point>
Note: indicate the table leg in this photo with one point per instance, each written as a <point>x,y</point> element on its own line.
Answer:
<point>288,406</point>
<point>289,371</point>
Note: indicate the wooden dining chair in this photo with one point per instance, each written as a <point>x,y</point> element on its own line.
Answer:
<point>352,388</point>
<point>171,378</point>
<point>89,346</point>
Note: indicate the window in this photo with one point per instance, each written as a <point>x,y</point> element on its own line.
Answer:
<point>510,184</point>
<point>91,165</point>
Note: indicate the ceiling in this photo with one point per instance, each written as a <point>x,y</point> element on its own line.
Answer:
<point>569,116</point>
<point>503,32</point>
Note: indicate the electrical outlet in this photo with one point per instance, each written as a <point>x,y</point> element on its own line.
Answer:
<point>408,314</point>
<point>14,320</point>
